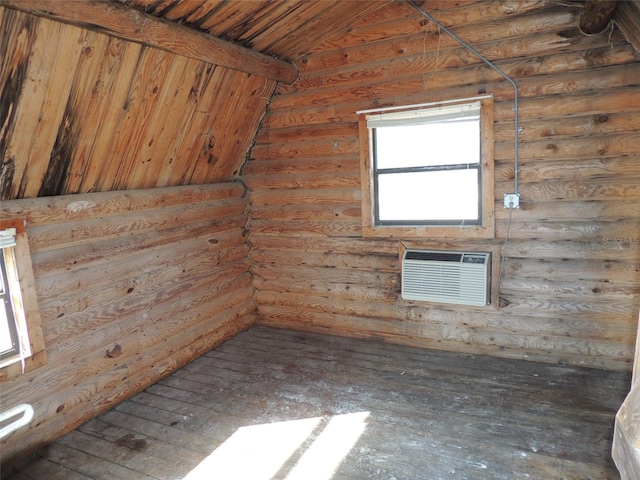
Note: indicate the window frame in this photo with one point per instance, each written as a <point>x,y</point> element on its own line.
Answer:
<point>26,311</point>
<point>6,294</point>
<point>486,226</point>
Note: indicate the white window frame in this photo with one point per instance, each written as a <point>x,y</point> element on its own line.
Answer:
<point>484,228</point>
<point>11,301</point>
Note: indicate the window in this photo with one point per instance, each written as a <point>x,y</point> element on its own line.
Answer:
<point>428,171</point>
<point>21,340</point>
<point>9,339</point>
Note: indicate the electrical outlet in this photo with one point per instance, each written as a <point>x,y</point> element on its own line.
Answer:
<point>511,200</point>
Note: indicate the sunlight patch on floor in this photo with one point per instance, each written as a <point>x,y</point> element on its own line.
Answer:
<point>260,452</point>
<point>322,459</point>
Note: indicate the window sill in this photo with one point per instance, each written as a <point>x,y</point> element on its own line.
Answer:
<point>455,233</point>
<point>15,368</point>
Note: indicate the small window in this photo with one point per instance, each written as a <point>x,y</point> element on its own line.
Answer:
<point>21,339</point>
<point>429,171</point>
<point>9,339</point>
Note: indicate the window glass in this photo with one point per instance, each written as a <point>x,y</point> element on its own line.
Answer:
<point>9,339</point>
<point>429,144</point>
<point>438,196</point>
<point>426,166</point>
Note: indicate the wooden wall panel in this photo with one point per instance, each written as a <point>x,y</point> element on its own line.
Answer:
<point>85,112</point>
<point>570,282</point>
<point>131,285</point>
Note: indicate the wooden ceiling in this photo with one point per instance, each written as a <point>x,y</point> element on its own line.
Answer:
<point>284,29</point>
<point>125,94</point>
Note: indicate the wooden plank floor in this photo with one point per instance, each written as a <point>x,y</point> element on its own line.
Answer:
<point>276,404</point>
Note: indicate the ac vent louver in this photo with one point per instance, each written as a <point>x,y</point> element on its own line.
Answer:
<point>446,277</point>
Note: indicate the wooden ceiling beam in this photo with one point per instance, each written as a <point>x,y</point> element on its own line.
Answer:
<point>123,22</point>
<point>596,15</point>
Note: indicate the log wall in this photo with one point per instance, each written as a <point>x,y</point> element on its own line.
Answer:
<point>131,286</point>
<point>569,287</point>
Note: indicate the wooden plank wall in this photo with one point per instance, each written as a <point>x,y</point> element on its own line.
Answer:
<point>569,290</point>
<point>85,112</point>
<point>131,285</point>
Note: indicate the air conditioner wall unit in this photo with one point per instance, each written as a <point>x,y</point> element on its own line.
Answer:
<point>462,278</point>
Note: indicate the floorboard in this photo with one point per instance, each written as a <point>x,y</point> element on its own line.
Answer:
<point>276,404</point>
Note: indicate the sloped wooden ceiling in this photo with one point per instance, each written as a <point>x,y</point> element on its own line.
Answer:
<point>285,29</point>
<point>84,109</point>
